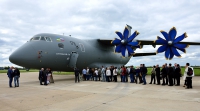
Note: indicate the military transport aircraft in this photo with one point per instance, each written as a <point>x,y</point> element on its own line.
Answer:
<point>63,53</point>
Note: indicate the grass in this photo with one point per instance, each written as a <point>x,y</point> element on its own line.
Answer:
<point>63,73</point>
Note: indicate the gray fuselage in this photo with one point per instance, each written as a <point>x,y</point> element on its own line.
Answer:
<point>62,53</point>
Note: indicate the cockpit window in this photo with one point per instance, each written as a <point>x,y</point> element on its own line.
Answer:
<point>48,39</point>
<point>42,38</point>
<point>35,38</point>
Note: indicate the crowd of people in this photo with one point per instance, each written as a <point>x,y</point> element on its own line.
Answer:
<point>168,74</point>
<point>45,76</point>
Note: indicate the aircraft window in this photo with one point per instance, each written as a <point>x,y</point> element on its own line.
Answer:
<point>61,46</point>
<point>42,38</point>
<point>35,38</point>
<point>48,39</point>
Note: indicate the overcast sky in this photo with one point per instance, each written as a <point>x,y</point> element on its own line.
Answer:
<point>21,19</point>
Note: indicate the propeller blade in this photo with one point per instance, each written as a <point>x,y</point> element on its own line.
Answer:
<point>129,54</point>
<point>138,46</point>
<point>126,33</point>
<point>172,33</point>
<point>133,36</point>
<point>165,34</point>
<point>167,53</point>
<point>130,50</point>
<point>161,41</point>
<point>181,46</point>
<point>116,41</point>
<point>120,35</point>
<point>118,48</point>
<point>162,48</point>
<point>133,43</point>
<point>175,52</point>
<point>171,55</point>
<point>123,51</point>
<point>180,38</point>
<point>183,50</point>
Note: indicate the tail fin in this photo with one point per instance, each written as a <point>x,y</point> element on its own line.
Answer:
<point>129,29</point>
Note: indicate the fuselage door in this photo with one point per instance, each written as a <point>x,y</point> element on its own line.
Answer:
<point>73,59</point>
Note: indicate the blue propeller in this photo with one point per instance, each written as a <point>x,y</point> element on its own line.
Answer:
<point>125,42</point>
<point>170,44</point>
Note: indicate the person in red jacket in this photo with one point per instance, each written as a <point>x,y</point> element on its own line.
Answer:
<point>123,73</point>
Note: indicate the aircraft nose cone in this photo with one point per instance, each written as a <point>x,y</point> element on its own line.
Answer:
<point>16,58</point>
<point>12,58</point>
<point>22,55</point>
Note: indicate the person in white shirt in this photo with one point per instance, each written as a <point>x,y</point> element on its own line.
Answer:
<point>115,74</point>
<point>103,76</point>
<point>96,74</point>
<point>187,77</point>
<point>108,74</point>
<point>87,74</point>
<point>84,72</point>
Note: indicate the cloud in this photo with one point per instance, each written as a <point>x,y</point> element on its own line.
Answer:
<point>99,19</point>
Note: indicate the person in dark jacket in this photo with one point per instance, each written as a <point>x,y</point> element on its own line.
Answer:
<point>76,72</point>
<point>137,71</point>
<point>167,76</point>
<point>132,72</point>
<point>174,76</point>
<point>91,73</point>
<point>164,74</point>
<point>41,76</point>
<point>177,74</point>
<point>157,74</point>
<point>170,75</point>
<point>111,70</point>
<point>46,72</point>
<point>10,75</point>
<point>140,75</point>
<point>16,77</point>
<point>144,73</point>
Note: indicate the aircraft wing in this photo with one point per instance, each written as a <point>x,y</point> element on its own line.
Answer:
<point>151,42</point>
<point>144,54</point>
<point>144,42</point>
<point>105,41</point>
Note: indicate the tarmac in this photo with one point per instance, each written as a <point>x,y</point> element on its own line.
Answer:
<point>66,95</point>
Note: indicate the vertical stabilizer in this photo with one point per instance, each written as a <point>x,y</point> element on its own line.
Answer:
<point>129,29</point>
